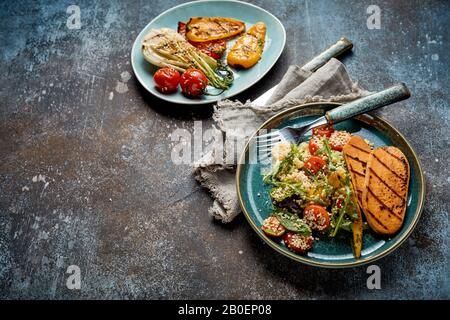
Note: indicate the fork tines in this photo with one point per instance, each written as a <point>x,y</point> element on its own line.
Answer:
<point>265,142</point>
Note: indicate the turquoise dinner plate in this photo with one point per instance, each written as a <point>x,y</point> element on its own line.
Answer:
<point>333,253</point>
<point>243,79</point>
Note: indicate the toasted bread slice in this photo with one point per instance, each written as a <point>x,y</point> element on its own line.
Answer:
<point>356,153</point>
<point>386,190</point>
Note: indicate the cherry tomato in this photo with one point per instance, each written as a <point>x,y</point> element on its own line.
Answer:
<point>297,242</point>
<point>193,82</point>
<point>314,164</point>
<point>339,139</point>
<point>339,203</point>
<point>182,28</point>
<point>316,217</point>
<point>167,80</point>
<point>326,131</point>
<point>315,143</point>
<point>272,227</point>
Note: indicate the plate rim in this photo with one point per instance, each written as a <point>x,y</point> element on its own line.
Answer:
<point>199,102</point>
<point>299,258</point>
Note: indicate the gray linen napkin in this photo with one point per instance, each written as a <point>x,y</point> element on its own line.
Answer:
<point>329,83</point>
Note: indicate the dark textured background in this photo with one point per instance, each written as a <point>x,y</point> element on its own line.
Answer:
<point>136,224</point>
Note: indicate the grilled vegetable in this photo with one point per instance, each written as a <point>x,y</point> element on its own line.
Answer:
<point>297,242</point>
<point>166,48</point>
<point>273,227</point>
<point>167,80</point>
<point>316,217</point>
<point>339,139</point>
<point>215,49</point>
<point>386,190</point>
<point>248,49</point>
<point>326,131</point>
<point>200,29</point>
<point>357,230</point>
<point>193,82</point>
<point>356,153</point>
<point>314,164</point>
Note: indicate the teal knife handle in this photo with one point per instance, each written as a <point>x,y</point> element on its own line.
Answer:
<point>374,101</point>
<point>335,50</point>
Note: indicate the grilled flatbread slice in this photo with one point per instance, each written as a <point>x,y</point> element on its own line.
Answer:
<point>386,190</point>
<point>356,153</point>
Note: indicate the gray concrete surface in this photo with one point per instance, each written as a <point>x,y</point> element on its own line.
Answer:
<point>86,176</point>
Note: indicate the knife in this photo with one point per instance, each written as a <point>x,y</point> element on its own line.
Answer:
<point>341,46</point>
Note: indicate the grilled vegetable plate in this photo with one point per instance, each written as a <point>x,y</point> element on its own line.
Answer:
<point>386,190</point>
<point>201,29</point>
<point>210,37</point>
<point>248,49</point>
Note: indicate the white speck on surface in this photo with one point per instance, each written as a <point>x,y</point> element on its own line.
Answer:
<point>111,95</point>
<point>437,160</point>
<point>435,57</point>
<point>44,92</point>
<point>241,252</point>
<point>39,178</point>
<point>43,189</point>
<point>43,235</point>
<point>25,188</point>
<point>121,87</point>
<point>125,76</point>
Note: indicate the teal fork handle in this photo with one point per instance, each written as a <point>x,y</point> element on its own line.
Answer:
<point>374,101</point>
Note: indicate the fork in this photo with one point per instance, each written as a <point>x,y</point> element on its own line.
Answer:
<point>265,142</point>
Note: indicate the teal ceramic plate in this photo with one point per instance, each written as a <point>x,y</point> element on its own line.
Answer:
<point>337,252</point>
<point>250,14</point>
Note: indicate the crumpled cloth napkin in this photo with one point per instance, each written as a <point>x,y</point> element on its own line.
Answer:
<point>329,83</point>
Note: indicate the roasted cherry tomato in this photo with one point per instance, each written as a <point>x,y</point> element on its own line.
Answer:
<point>193,82</point>
<point>339,203</point>
<point>326,131</point>
<point>182,28</point>
<point>339,139</point>
<point>316,217</point>
<point>297,242</point>
<point>314,164</point>
<point>272,227</point>
<point>315,143</point>
<point>167,80</point>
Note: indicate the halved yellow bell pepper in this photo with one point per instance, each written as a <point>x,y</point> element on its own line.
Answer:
<point>248,49</point>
